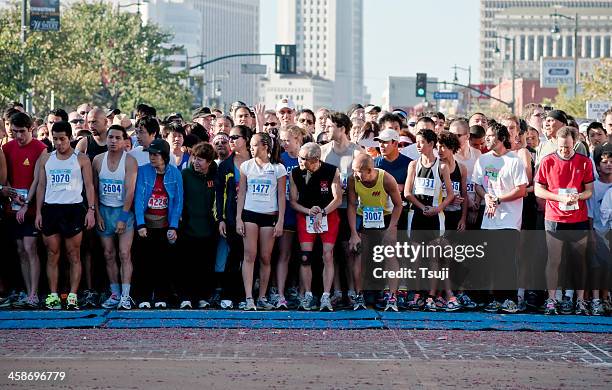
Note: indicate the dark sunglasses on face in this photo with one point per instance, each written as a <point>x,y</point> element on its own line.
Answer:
<point>220,143</point>
<point>270,124</point>
<point>235,137</point>
<point>75,121</point>
<point>411,124</point>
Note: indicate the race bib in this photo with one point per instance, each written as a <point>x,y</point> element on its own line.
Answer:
<point>568,191</point>
<point>456,190</point>
<point>60,179</point>
<point>260,189</point>
<point>310,224</point>
<point>344,180</point>
<point>22,194</point>
<point>158,202</point>
<point>471,189</point>
<point>373,218</point>
<point>424,186</point>
<point>112,188</point>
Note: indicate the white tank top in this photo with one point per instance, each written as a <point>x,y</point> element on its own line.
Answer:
<point>469,165</point>
<point>111,188</point>
<point>64,180</point>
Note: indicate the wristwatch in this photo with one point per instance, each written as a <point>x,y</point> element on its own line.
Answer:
<point>324,213</point>
<point>92,208</point>
<point>497,201</point>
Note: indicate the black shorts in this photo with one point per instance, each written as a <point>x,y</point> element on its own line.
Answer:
<point>259,219</point>
<point>21,230</point>
<point>451,220</point>
<point>568,232</point>
<point>344,231</point>
<point>68,220</point>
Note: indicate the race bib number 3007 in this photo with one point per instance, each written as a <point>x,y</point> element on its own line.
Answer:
<point>373,218</point>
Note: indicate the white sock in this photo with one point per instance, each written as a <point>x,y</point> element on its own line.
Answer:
<point>521,293</point>
<point>325,294</point>
<point>125,289</point>
<point>569,293</point>
<point>558,295</point>
<point>308,294</point>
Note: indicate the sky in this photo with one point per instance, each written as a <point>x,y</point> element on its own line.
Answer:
<point>405,37</point>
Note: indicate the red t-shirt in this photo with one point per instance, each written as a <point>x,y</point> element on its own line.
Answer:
<point>20,163</point>
<point>158,202</point>
<point>565,176</point>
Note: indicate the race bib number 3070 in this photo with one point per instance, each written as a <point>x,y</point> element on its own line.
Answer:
<point>60,179</point>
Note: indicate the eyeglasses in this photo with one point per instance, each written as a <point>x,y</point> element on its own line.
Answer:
<point>220,143</point>
<point>235,137</point>
<point>307,121</point>
<point>307,158</point>
<point>411,124</point>
<point>270,124</point>
<point>75,121</point>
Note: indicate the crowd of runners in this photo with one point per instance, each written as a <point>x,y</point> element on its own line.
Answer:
<point>263,209</point>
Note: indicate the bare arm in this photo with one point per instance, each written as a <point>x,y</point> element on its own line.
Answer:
<point>351,208</point>
<point>82,145</point>
<point>2,168</point>
<point>336,193</point>
<point>390,186</point>
<point>96,180</point>
<point>294,197</point>
<point>131,172</point>
<point>409,187</point>
<point>40,191</point>
<point>463,191</point>
<point>450,194</point>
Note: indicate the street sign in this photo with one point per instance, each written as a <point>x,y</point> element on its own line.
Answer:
<point>44,15</point>
<point>555,72</point>
<point>253,69</point>
<point>595,109</point>
<point>438,95</point>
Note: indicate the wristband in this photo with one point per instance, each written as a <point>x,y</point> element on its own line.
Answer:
<point>124,216</point>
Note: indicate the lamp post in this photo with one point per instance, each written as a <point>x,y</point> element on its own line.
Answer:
<point>188,68</point>
<point>456,79</point>
<point>513,40</point>
<point>556,35</point>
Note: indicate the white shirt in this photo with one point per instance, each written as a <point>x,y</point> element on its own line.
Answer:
<point>597,207</point>
<point>64,180</point>
<point>141,156</point>
<point>499,176</point>
<point>262,185</point>
<point>412,152</point>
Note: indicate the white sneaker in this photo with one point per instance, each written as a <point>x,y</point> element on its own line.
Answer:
<point>184,305</point>
<point>203,304</point>
<point>112,302</point>
<point>144,305</point>
<point>126,303</point>
<point>160,305</point>
<point>227,304</point>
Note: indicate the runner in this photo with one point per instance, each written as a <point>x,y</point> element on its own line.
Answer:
<point>316,193</point>
<point>565,181</point>
<point>114,174</point>
<point>22,156</point>
<point>260,213</point>
<point>158,204</point>
<point>60,213</point>
<point>369,209</point>
<point>411,150</point>
<point>285,111</point>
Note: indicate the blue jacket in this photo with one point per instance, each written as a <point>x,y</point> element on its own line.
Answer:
<point>173,182</point>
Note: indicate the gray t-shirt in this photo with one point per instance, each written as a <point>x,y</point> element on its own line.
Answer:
<point>343,162</point>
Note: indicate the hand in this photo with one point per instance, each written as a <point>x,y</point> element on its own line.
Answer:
<point>142,232</point>
<point>390,235</point>
<point>541,204</point>
<point>430,211</point>
<point>222,229</point>
<point>461,225</point>
<point>490,210</point>
<point>101,224</point>
<point>21,213</point>
<point>278,229</point>
<point>38,221</point>
<point>172,236</point>
<point>490,200</point>
<point>314,210</point>
<point>90,219</point>
<point>472,217</point>
<point>6,191</point>
<point>317,223</point>
<point>120,227</point>
<point>354,242</point>
<point>260,110</point>
<point>458,200</point>
<point>240,227</point>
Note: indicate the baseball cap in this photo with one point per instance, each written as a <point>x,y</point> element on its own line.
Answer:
<point>583,128</point>
<point>387,135</point>
<point>401,113</point>
<point>558,115</point>
<point>201,112</point>
<point>159,146</point>
<point>285,103</point>
<point>370,107</point>
<point>112,111</point>
<point>220,135</point>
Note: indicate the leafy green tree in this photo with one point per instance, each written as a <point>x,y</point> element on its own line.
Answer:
<point>100,55</point>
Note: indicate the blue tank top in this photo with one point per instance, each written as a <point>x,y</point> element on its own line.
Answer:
<point>290,163</point>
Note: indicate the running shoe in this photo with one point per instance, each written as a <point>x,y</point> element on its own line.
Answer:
<point>402,299</point>
<point>306,303</point>
<point>565,306</point>
<point>249,305</point>
<point>21,302</point>
<point>33,302</point>
<point>597,308</point>
<point>550,307</point>
<point>466,302</point>
<point>5,302</point>
<point>582,309</point>
<point>263,304</point>
<point>351,295</point>
<point>274,299</point>
<point>607,304</point>
<point>53,302</point>
<point>227,304</point>
<point>430,304</point>
<point>521,305</point>
<point>453,304</point>
<point>391,304</point>
<point>112,302</point>
<point>160,305</point>
<point>144,305</point>
<point>417,302</point>
<point>492,307</point>
<point>89,299</point>
<point>509,306</point>
<point>440,303</point>
<point>185,305</point>
<point>325,304</point>
<point>359,302</point>
<point>125,303</point>
<point>336,298</point>
<point>72,303</point>
<point>531,299</point>
<point>282,303</point>
<point>203,304</point>
<point>381,302</point>
<point>215,298</point>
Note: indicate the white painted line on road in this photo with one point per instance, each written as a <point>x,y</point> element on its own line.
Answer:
<point>600,350</point>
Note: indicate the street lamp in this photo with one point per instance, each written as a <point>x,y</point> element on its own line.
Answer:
<point>456,80</point>
<point>556,35</point>
<point>513,40</point>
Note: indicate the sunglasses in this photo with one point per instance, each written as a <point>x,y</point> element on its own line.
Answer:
<point>270,124</point>
<point>220,143</point>
<point>75,121</point>
<point>411,124</point>
<point>235,137</point>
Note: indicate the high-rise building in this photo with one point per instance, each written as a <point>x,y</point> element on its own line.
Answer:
<point>530,22</point>
<point>329,39</point>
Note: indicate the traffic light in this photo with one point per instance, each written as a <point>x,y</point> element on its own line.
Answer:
<point>421,85</point>
<point>285,59</point>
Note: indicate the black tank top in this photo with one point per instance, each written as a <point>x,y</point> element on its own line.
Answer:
<point>426,173</point>
<point>318,190</point>
<point>93,149</point>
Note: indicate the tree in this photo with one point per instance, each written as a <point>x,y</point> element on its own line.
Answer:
<point>100,55</point>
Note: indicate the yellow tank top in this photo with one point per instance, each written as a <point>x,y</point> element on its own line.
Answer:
<point>375,196</point>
